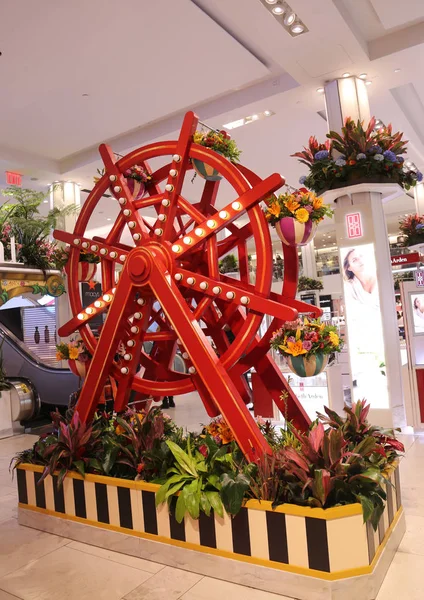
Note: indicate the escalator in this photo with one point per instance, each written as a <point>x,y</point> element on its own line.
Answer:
<point>53,385</point>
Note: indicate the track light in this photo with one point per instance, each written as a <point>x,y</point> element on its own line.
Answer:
<point>298,28</point>
<point>289,19</point>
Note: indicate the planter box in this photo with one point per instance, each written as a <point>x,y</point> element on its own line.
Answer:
<point>329,545</point>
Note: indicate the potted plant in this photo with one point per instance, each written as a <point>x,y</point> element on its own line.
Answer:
<point>220,142</point>
<point>228,264</point>
<point>308,283</point>
<point>412,228</point>
<point>306,345</point>
<point>295,215</point>
<point>77,355</point>
<point>358,155</point>
<point>87,265</point>
<point>136,178</point>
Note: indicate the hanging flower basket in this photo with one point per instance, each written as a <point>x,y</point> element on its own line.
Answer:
<point>206,171</point>
<point>293,233</point>
<point>86,271</point>
<point>307,366</point>
<point>137,188</point>
<point>220,142</point>
<point>78,367</point>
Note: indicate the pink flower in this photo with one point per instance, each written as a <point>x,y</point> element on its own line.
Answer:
<point>309,208</point>
<point>307,345</point>
<point>203,449</point>
<point>291,338</point>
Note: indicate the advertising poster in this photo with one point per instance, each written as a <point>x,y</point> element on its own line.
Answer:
<point>364,324</point>
<point>417,307</point>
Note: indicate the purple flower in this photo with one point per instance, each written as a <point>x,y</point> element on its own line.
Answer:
<point>389,155</point>
<point>302,180</point>
<point>400,159</point>
<point>419,176</point>
<point>291,339</point>
<point>375,149</point>
<point>309,208</point>
<point>340,162</point>
<point>321,155</point>
<point>307,345</point>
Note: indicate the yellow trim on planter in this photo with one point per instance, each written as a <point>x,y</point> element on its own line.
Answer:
<point>327,514</point>
<point>225,554</point>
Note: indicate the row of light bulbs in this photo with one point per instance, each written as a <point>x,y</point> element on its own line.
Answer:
<point>289,17</point>
<point>217,290</point>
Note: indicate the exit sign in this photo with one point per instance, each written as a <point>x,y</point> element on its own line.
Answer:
<point>13,178</point>
<point>354,225</point>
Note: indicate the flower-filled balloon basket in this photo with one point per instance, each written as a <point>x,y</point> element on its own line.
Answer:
<point>220,142</point>
<point>307,345</point>
<point>86,271</point>
<point>136,178</point>
<point>137,188</point>
<point>77,355</point>
<point>79,368</point>
<point>295,216</point>
<point>357,155</point>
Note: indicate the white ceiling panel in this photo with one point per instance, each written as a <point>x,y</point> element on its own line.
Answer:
<point>396,14</point>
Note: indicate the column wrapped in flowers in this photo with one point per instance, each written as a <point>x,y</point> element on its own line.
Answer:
<point>220,142</point>
<point>306,345</point>
<point>77,355</point>
<point>295,216</point>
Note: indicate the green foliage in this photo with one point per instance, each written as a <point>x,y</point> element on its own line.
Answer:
<point>228,264</point>
<point>308,283</point>
<point>412,227</point>
<point>220,142</point>
<point>306,338</point>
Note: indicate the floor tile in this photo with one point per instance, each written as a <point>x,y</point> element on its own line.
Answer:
<point>404,579</point>
<point>412,541</point>
<point>8,507</point>
<point>211,589</point>
<point>84,577</point>
<point>20,545</point>
<point>123,559</point>
<point>169,584</point>
<point>6,596</point>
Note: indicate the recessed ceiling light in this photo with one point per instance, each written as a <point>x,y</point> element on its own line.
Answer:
<point>289,19</point>
<point>298,28</point>
<point>320,90</point>
<point>85,95</point>
<point>397,70</point>
<point>255,117</point>
<point>346,75</point>
<point>278,10</point>
<point>324,245</point>
<point>45,201</point>
<point>267,113</point>
<point>368,82</point>
<point>271,1</point>
<point>108,219</point>
<point>363,76</point>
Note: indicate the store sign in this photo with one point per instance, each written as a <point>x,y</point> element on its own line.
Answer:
<point>354,225</point>
<point>405,259</point>
<point>419,277</point>
<point>364,325</point>
<point>13,178</point>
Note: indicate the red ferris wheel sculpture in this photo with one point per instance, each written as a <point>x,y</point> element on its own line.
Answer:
<point>171,293</point>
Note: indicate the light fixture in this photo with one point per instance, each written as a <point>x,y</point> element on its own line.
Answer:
<point>271,1</point>
<point>320,90</point>
<point>249,119</point>
<point>255,117</point>
<point>289,19</point>
<point>278,10</point>
<point>346,75</point>
<point>267,113</point>
<point>298,28</point>
<point>45,201</point>
<point>397,70</point>
<point>368,82</point>
<point>363,76</point>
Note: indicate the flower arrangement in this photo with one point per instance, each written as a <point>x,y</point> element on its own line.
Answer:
<point>355,156</point>
<point>73,350</point>
<point>412,227</point>
<point>308,283</point>
<point>208,471</point>
<point>301,205</point>
<point>304,337</point>
<point>135,172</point>
<point>220,142</point>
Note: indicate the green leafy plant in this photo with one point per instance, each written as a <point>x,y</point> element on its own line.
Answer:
<point>220,142</point>
<point>228,264</point>
<point>412,228</point>
<point>358,154</point>
<point>308,283</point>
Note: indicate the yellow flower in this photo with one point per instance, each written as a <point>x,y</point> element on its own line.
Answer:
<point>197,137</point>
<point>73,353</point>
<point>334,338</point>
<point>302,215</point>
<point>291,205</point>
<point>59,356</point>
<point>317,203</point>
<point>274,209</point>
<point>294,348</point>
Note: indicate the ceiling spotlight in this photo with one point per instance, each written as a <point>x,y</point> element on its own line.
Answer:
<point>363,76</point>
<point>298,28</point>
<point>278,10</point>
<point>267,113</point>
<point>368,82</point>
<point>289,19</point>
<point>271,1</point>
<point>346,75</point>
<point>320,90</point>
<point>397,70</point>
<point>255,117</point>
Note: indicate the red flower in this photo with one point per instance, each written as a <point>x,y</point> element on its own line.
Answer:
<point>140,467</point>
<point>204,450</point>
<point>351,162</point>
<point>321,345</point>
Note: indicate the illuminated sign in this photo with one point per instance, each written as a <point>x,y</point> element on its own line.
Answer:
<point>354,225</point>
<point>419,277</point>
<point>405,259</point>
<point>13,178</point>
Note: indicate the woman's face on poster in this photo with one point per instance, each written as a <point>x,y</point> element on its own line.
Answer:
<point>356,263</point>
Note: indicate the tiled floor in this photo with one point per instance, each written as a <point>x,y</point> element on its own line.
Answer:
<point>38,566</point>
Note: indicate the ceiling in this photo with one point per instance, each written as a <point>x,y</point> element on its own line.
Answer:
<point>79,73</point>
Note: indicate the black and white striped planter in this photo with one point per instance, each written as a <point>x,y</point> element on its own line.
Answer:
<point>329,544</point>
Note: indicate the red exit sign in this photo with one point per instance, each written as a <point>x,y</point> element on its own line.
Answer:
<point>13,178</point>
<point>354,225</point>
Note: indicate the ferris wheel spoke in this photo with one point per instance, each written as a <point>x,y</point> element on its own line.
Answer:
<point>230,292</point>
<point>122,193</point>
<point>88,313</point>
<point>227,215</point>
<point>95,246</point>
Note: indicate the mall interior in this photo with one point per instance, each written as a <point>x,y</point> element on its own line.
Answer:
<point>212,300</point>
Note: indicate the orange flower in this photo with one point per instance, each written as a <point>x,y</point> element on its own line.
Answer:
<point>302,215</point>
<point>291,205</point>
<point>317,203</point>
<point>351,162</point>
<point>274,209</point>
